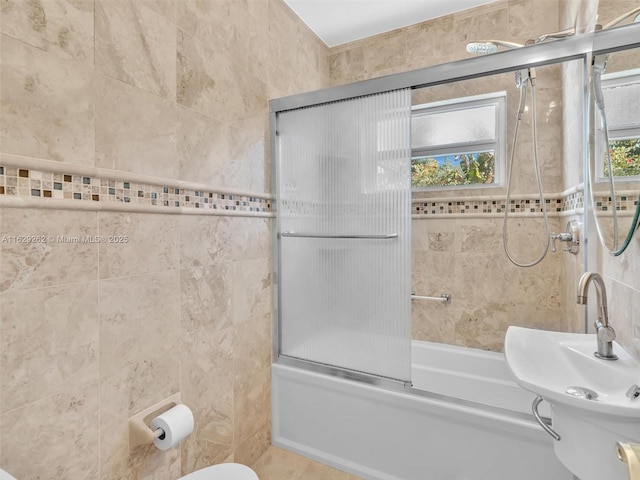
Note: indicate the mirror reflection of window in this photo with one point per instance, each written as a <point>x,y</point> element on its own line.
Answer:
<point>621,91</point>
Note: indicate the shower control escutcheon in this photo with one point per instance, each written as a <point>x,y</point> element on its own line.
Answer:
<point>571,237</point>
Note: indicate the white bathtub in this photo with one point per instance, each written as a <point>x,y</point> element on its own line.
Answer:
<point>475,375</point>
<point>383,434</point>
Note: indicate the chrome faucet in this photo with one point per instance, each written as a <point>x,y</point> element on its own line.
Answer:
<point>605,334</point>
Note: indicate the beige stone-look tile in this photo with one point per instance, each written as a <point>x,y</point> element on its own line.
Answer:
<point>346,65</point>
<point>136,45</point>
<point>430,43</point>
<point>482,326</point>
<point>55,261</point>
<point>61,27</point>
<point>247,167</point>
<point>208,388</point>
<point>251,289</point>
<point>385,52</point>
<point>252,405</point>
<point>152,243</point>
<point>228,27</point>
<point>124,393</point>
<point>620,300</point>
<point>481,235</point>
<point>318,471</point>
<point>139,319</point>
<point>215,153</point>
<point>528,20</point>
<point>526,237</point>
<point>257,55</point>
<point>214,86</point>
<point>206,298</point>
<point>48,341</point>
<point>433,273</point>
<point>135,130</point>
<point>436,235</point>
<point>166,8</point>
<point>251,347</point>
<point>55,436</point>
<point>47,105</point>
<point>478,275</point>
<point>434,322</point>
<point>203,147</point>
<point>537,285</point>
<point>312,55</point>
<point>251,449</point>
<point>277,463</point>
<point>207,241</point>
<point>283,53</point>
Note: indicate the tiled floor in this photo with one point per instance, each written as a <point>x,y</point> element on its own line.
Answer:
<point>279,464</point>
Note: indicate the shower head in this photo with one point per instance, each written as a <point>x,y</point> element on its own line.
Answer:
<point>556,35</point>
<point>623,17</point>
<point>486,47</point>
<point>481,48</point>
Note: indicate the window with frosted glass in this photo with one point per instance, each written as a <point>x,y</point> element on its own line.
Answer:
<point>459,142</point>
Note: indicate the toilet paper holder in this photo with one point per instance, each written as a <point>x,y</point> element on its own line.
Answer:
<point>140,431</point>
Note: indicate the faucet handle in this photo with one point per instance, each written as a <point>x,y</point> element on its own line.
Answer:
<point>606,334</point>
<point>633,392</point>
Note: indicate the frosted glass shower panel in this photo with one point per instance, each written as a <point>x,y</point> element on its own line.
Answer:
<point>458,126</point>
<point>344,212</point>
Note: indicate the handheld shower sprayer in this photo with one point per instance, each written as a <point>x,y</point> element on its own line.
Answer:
<point>524,78</point>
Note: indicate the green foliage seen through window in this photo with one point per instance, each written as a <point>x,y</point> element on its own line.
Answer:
<point>463,169</point>
<point>625,157</point>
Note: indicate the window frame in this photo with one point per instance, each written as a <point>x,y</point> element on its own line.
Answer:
<point>624,132</point>
<point>498,144</point>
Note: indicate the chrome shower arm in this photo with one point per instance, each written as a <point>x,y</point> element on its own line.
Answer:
<point>556,35</point>
<point>621,18</point>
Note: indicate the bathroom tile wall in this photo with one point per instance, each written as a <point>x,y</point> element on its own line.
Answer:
<point>464,256</point>
<point>90,333</point>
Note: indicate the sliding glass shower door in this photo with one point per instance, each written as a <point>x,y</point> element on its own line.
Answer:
<point>343,206</point>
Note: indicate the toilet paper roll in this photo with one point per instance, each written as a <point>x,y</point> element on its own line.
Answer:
<point>177,423</point>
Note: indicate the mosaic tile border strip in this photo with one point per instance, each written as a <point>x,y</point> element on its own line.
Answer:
<point>624,203</point>
<point>424,207</point>
<point>568,203</point>
<point>24,182</point>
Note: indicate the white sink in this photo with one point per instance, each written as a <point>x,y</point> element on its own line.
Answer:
<point>550,364</point>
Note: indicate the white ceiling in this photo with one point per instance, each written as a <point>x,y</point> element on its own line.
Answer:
<point>341,21</point>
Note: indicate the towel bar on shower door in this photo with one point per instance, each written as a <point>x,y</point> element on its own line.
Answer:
<point>320,235</point>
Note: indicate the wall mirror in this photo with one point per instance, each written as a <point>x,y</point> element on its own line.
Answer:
<point>615,147</point>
